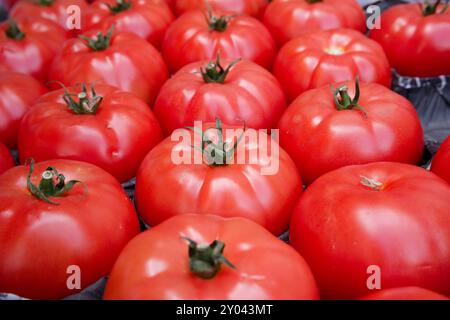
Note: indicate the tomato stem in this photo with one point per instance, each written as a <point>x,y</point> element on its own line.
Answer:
<point>13,31</point>
<point>218,24</point>
<point>217,154</point>
<point>313,1</point>
<point>52,184</point>
<point>371,183</point>
<point>121,5</point>
<point>85,104</point>
<point>205,261</point>
<point>101,42</point>
<point>46,3</point>
<point>431,8</point>
<point>214,72</point>
<point>343,101</point>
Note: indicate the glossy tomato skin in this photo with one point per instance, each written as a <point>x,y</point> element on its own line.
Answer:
<point>320,138</point>
<point>326,57</point>
<point>441,161</point>
<point>189,39</point>
<point>33,53</point>
<point>342,227</point>
<point>129,63</point>
<point>262,189</point>
<point>155,265</point>
<point>57,12</point>
<point>116,138</point>
<point>39,241</point>
<point>250,95</point>
<point>405,293</point>
<point>423,48</point>
<point>289,19</point>
<point>253,8</point>
<point>6,160</point>
<point>18,92</point>
<point>148,19</point>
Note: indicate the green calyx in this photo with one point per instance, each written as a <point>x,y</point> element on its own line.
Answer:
<point>214,72</point>
<point>13,31</point>
<point>205,261</point>
<point>431,8</point>
<point>220,153</point>
<point>313,1</point>
<point>121,5</point>
<point>101,42</point>
<point>52,184</point>
<point>45,3</point>
<point>86,104</point>
<point>343,101</point>
<point>218,24</point>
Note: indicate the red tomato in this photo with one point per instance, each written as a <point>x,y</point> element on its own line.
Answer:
<point>18,92</point>
<point>65,224</point>
<point>170,3</point>
<point>241,93</point>
<point>192,38</point>
<point>261,188</point>
<point>405,293</point>
<point>229,259</point>
<point>249,7</point>
<point>288,19</point>
<point>148,19</point>
<point>422,48</point>
<point>63,12</point>
<point>29,45</point>
<point>6,161</point>
<point>388,216</point>
<point>111,129</point>
<point>326,57</point>
<point>8,4</point>
<point>441,161</point>
<point>123,60</point>
<point>321,134</point>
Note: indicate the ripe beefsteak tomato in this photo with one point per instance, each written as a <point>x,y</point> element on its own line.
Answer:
<point>57,218</point>
<point>253,8</point>
<point>6,160</point>
<point>29,45</point>
<point>288,19</point>
<point>68,14</point>
<point>324,130</point>
<point>195,257</point>
<point>18,92</point>
<point>416,38</point>
<point>122,59</point>
<point>103,126</point>
<point>237,92</point>
<point>197,36</point>
<point>386,221</point>
<point>326,57</point>
<point>148,19</point>
<point>441,161</point>
<point>230,173</point>
<point>405,293</point>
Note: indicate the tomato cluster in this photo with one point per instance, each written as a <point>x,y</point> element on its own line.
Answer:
<point>237,121</point>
